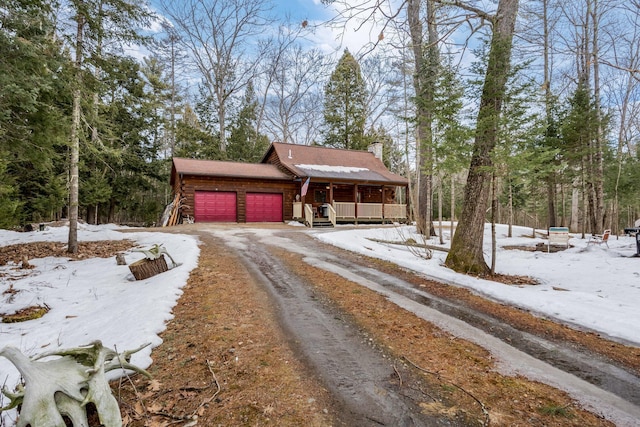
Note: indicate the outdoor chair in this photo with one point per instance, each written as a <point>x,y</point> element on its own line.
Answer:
<point>598,239</point>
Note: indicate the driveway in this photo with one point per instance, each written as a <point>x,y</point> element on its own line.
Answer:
<point>360,372</point>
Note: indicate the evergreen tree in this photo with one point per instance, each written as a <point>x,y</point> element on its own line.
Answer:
<point>245,144</point>
<point>33,101</point>
<point>579,132</point>
<point>345,106</point>
<point>193,140</point>
<point>115,22</point>
<point>451,137</point>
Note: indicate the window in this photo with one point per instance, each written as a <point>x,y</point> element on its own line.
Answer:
<point>320,196</point>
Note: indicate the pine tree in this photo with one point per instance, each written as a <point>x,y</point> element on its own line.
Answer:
<point>579,131</point>
<point>33,97</point>
<point>194,140</point>
<point>345,106</point>
<point>245,144</point>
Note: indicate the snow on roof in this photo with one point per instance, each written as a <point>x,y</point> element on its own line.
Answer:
<point>328,168</point>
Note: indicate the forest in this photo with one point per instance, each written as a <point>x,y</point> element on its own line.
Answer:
<point>541,111</point>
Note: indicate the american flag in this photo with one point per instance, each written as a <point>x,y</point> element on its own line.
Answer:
<point>305,187</point>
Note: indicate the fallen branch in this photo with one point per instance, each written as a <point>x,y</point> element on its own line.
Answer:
<point>194,415</point>
<point>215,379</point>
<point>484,409</point>
<point>410,244</point>
<point>398,374</point>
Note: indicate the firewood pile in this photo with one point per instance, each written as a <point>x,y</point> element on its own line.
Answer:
<point>171,215</point>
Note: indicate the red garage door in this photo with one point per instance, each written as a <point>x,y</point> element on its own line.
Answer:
<point>215,206</point>
<point>264,207</point>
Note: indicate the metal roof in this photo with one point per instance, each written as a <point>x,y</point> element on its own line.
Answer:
<point>301,161</point>
<point>333,164</point>
<point>227,169</point>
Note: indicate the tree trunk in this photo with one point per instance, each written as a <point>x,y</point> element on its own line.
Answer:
<point>575,205</point>
<point>510,231</point>
<point>551,199</point>
<point>74,148</point>
<point>598,158</point>
<point>548,100</point>
<point>426,60</point>
<point>466,247</point>
<point>145,268</point>
<point>453,204</point>
<point>440,210</point>
<point>494,208</point>
<point>417,42</point>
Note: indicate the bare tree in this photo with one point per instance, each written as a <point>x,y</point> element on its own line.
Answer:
<point>424,88</point>
<point>624,62</point>
<point>295,77</point>
<point>382,80</point>
<point>173,60</point>
<point>221,36</point>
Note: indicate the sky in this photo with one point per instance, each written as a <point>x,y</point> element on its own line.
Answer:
<point>326,38</point>
<point>589,286</point>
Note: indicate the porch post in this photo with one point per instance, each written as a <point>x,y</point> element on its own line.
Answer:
<point>407,202</point>
<point>355,202</point>
<point>331,193</point>
<point>384,197</point>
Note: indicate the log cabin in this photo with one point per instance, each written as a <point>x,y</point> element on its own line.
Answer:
<point>316,185</point>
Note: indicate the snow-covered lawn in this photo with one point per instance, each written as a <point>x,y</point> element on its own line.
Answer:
<point>592,286</point>
<point>89,300</point>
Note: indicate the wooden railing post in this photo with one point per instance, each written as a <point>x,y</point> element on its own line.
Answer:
<point>308,215</point>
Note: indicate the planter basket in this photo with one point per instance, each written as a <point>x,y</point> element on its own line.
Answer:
<point>145,268</point>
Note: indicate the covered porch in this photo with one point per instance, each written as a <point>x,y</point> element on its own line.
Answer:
<point>330,203</point>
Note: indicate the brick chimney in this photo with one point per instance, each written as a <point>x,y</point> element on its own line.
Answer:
<point>376,149</point>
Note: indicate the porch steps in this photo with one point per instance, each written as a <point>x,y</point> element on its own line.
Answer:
<point>322,223</point>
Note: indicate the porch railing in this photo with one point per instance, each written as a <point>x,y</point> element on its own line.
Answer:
<point>370,210</point>
<point>308,215</point>
<point>396,211</point>
<point>345,210</point>
<point>332,214</point>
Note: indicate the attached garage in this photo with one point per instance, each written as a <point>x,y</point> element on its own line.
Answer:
<point>264,207</point>
<point>215,206</point>
<point>217,191</point>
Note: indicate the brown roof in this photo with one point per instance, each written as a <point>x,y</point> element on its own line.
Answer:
<point>332,163</point>
<point>226,169</point>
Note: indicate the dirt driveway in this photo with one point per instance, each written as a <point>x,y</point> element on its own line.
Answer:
<point>276,328</point>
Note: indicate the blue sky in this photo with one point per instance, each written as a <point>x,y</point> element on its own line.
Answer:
<point>313,11</point>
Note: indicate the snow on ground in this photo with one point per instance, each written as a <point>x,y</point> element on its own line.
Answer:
<point>92,299</point>
<point>591,286</point>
